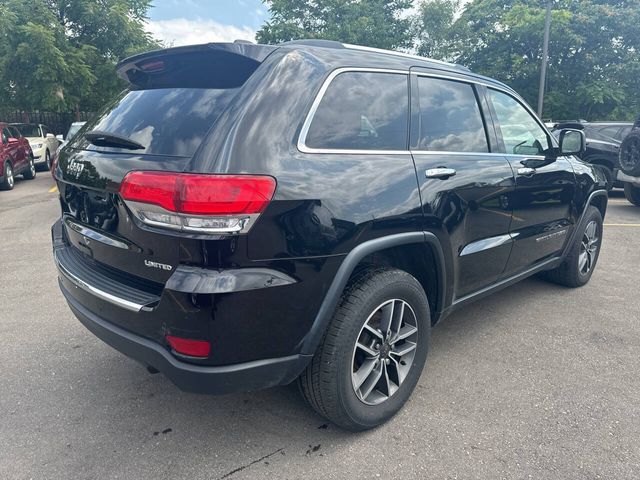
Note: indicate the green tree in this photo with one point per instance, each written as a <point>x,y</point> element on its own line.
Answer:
<point>433,29</point>
<point>594,52</point>
<point>60,55</point>
<point>374,23</point>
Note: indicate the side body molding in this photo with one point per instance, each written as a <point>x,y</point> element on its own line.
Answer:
<point>349,264</point>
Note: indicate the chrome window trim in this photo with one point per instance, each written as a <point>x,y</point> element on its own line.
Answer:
<point>302,137</point>
<point>301,144</point>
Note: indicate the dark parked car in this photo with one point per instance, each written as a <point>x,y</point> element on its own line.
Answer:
<point>603,144</point>
<point>16,157</point>
<point>629,173</point>
<point>248,215</point>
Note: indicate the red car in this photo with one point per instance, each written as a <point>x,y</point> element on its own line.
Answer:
<point>16,157</point>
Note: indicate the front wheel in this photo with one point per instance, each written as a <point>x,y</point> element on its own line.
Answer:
<point>632,193</point>
<point>578,266</point>
<point>373,352</point>
<point>30,172</point>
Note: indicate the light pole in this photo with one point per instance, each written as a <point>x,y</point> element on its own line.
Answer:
<point>545,58</point>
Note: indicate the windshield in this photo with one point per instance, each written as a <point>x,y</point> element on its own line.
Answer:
<point>28,130</point>
<point>165,121</point>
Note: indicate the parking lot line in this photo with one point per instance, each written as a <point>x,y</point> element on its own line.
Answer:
<point>53,189</point>
<point>622,224</point>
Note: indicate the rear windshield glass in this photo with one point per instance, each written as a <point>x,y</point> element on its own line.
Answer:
<point>165,121</point>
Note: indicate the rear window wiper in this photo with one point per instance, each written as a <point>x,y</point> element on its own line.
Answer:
<point>107,139</point>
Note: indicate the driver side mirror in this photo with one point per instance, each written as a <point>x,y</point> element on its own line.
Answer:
<point>12,140</point>
<point>50,135</point>
<point>572,142</point>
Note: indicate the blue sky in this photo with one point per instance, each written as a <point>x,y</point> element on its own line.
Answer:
<point>183,22</point>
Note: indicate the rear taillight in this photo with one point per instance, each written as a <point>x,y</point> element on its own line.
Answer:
<point>197,203</point>
<point>187,346</point>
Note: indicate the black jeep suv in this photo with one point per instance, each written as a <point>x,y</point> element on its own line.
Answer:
<point>247,215</point>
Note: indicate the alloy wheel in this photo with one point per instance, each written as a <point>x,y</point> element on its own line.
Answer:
<point>32,167</point>
<point>9,174</point>
<point>384,351</point>
<point>588,248</point>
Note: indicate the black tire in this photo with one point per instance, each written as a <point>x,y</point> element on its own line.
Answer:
<point>8,180</point>
<point>630,154</point>
<point>30,172</point>
<point>572,272</point>
<point>632,193</point>
<point>47,161</point>
<point>327,382</point>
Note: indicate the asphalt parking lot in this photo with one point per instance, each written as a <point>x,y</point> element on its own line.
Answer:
<point>537,381</point>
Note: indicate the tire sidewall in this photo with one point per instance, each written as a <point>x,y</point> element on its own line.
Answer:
<point>409,290</point>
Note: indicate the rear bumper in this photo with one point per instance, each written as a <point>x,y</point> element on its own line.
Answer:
<point>188,377</point>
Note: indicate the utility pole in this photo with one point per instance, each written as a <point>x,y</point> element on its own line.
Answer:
<point>545,58</point>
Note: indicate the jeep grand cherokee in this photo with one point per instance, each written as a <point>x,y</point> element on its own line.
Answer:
<point>247,215</point>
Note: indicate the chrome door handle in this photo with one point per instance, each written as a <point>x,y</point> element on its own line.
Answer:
<point>440,172</point>
<point>526,171</point>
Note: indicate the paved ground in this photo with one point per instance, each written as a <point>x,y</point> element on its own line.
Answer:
<point>535,382</point>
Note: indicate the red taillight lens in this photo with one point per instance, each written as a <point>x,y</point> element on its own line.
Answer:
<point>187,346</point>
<point>197,198</point>
<point>200,194</point>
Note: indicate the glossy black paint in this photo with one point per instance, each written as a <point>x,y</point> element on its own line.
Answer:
<point>330,212</point>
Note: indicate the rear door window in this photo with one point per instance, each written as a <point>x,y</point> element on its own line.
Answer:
<point>362,111</point>
<point>450,118</point>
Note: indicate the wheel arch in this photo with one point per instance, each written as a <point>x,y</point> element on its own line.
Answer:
<point>395,251</point>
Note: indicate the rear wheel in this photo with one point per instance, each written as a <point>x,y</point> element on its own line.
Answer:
<point>373,352</point>
<point>578,266</point>
<point>8,179</point>
<point>632,193</point>
<point>30,172</point>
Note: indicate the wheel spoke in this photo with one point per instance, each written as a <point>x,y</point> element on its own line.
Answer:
<point>401,370</point>
<point>387,317</point>
<point>403,349</point>
<point>371,381</point>
<point>369,351</point>
<point>405,332</point>
<point>582,260</point>
<point>396,320</point>
<point>373,331</point>
<point>391,387</point>
<point>363,372</point>
<point>591,230</point>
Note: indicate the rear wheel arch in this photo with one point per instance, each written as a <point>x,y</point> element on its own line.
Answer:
<point>394,248</point>
<point>417,259</point>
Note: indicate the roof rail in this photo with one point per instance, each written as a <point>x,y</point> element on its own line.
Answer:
<point>312,42</point>
<point>401,54</point>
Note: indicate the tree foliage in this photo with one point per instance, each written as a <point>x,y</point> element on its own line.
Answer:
<point>374,23</point>
<point>59,55</point>
<point>594,51</point>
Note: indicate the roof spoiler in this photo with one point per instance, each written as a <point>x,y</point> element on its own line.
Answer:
<point>152,69</point>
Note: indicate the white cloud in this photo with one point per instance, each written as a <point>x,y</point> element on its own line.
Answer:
<point>181,31</point>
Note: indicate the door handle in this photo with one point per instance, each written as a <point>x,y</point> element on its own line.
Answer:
<point>440,172</point>
<point>526,171</point>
